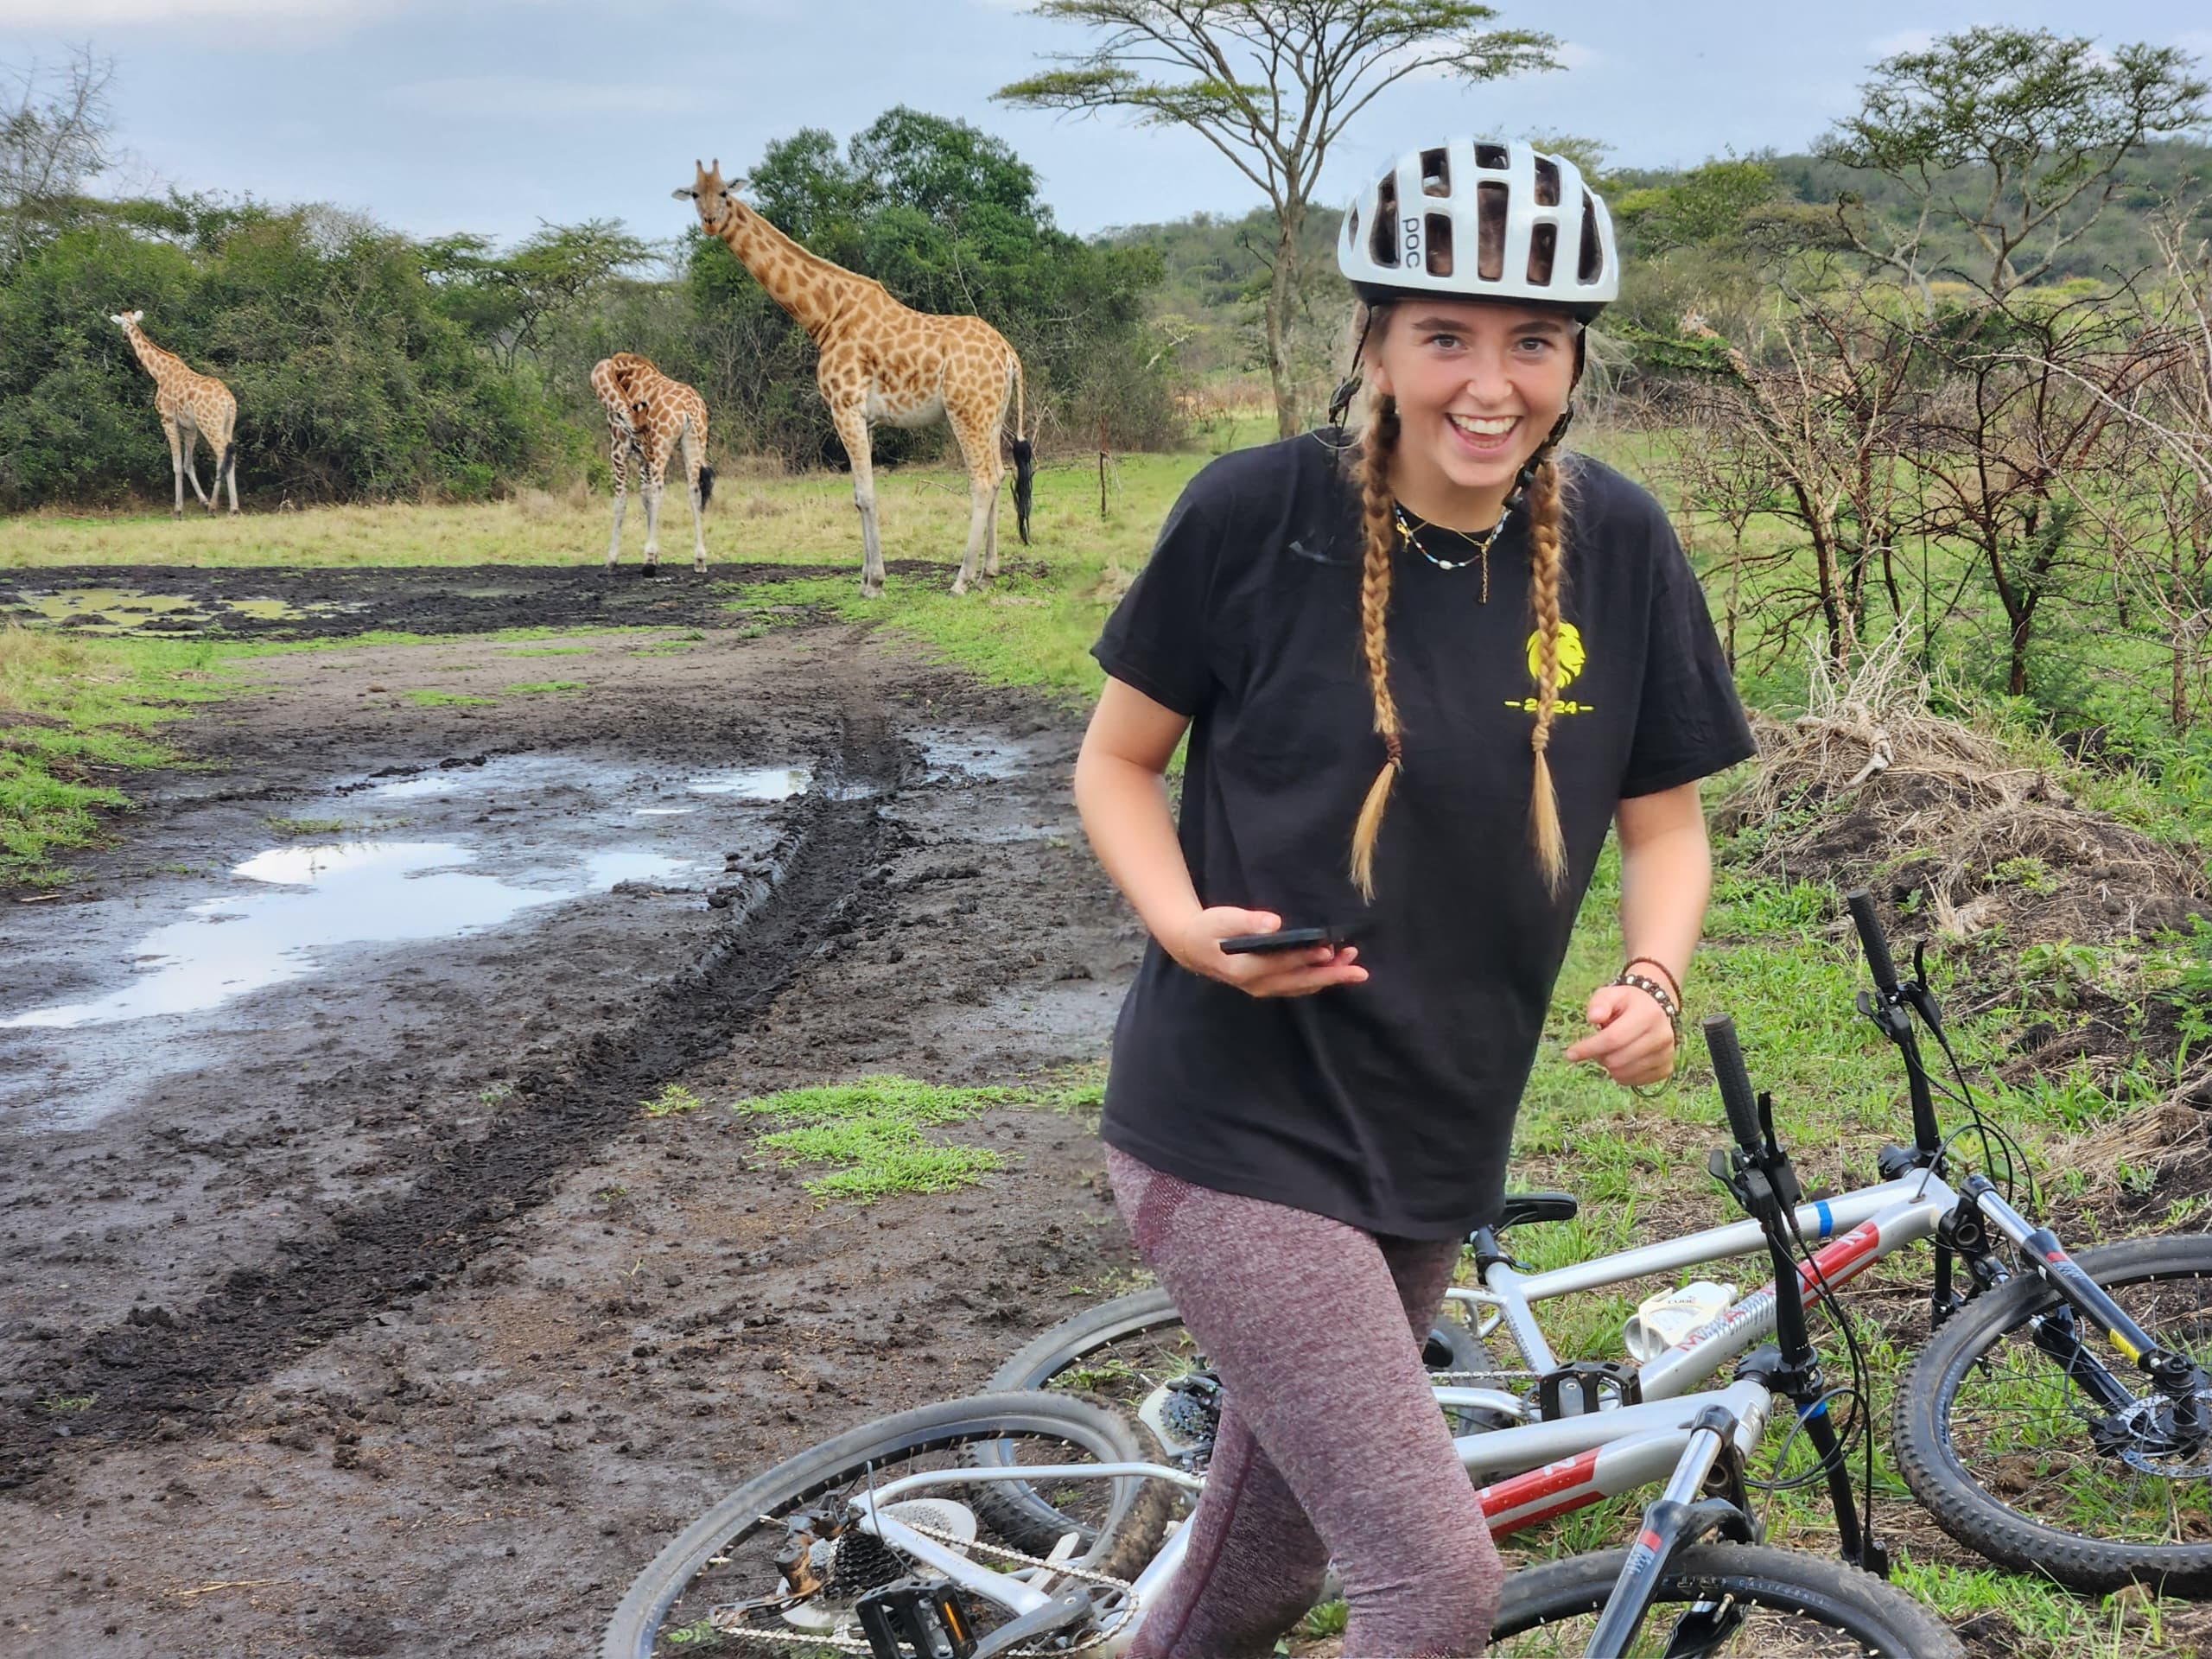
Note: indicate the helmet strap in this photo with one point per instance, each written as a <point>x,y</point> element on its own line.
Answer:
<point>1348,388</point>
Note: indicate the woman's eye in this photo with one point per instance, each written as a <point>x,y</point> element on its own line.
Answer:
<point>1534,343</point>
<point>1447,342</point>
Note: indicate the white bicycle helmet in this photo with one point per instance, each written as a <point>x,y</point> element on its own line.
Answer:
<point>1482,221</point>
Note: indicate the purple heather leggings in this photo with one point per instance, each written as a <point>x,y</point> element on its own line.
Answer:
<point>1331,1447</point>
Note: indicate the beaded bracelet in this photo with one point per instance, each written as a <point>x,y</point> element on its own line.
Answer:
<point>1673,983</point>
<point>1658,993</point>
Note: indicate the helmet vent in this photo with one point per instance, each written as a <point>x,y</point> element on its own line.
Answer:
<point>1384,241</point>
<point>1439,240</point>
<point>1593,265</point>
<point>1435,173</point>
<point>1547,182</point>
<point>1491,200</point>
<point>1543,242</point>
<point>1492,156</point>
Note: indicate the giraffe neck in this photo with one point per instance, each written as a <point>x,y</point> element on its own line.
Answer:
<point>811,289</point>
<point>159,364</point>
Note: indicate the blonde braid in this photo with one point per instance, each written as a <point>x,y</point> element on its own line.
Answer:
<point>1380,440</point>
<point>1545,564</point>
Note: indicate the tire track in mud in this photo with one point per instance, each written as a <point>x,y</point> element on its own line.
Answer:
<point>187,1364</point>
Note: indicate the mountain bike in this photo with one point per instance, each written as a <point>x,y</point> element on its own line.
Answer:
<point>879,1542</point>
<point>2015,1427</point>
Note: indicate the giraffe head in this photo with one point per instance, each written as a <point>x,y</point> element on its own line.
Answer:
<point>126,321</point>
<point>713,195</point>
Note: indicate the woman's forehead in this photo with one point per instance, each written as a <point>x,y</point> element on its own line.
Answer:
<point>1479,315</point>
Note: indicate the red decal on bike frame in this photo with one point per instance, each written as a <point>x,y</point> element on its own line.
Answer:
<point>1854,1246</point>
<point>1507,1495</point>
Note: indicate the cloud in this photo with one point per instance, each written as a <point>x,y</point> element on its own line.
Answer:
<point>527,98</point>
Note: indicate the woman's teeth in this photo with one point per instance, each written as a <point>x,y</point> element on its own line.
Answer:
<point>1485,432</point>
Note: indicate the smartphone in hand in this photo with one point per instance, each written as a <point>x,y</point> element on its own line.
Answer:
<point>1287,938</point>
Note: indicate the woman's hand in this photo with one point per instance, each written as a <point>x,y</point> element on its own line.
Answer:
<point>1634,1039</point>
<point>1196,945</point>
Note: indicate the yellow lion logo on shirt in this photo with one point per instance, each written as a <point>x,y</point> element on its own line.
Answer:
<point>1572,655</point>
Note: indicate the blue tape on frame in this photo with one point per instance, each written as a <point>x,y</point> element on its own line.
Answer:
<point>1827,1217</point>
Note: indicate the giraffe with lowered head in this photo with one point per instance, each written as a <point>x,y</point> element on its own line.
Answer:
<point>648,414</point>
<point>192,406</point>
<point>884,361</point>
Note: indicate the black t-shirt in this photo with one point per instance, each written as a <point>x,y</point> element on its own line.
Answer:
<point>1388,1105</point>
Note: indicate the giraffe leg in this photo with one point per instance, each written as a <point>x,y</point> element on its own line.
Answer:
<point>191,465</point>
<point>852,426</point>
<point>982,496</point>
<point>176,465</point>
<point>621,486</point>
<point>655,480</point>
<point>226,465</point>
<point>695,471</point>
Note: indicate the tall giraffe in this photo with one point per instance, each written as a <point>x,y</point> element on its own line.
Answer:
<point>884,361</point>
<point>192,406</point>
<point>649,414</point>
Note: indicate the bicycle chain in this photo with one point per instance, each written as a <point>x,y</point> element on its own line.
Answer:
<point>853,1644</point>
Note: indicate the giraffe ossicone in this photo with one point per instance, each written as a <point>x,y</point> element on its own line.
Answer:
<point>881,361</point>
<point>192,406</point>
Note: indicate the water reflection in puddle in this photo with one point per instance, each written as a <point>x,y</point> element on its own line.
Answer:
<point>755,782</point>
<point>318,897</point>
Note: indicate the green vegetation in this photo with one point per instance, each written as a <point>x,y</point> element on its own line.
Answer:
<point>871,1132</point>
<point>673,1098</point>
<point>540,687</point>
<point>423,698</point>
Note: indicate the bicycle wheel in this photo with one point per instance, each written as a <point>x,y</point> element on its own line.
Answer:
<point>1129,1353</point>
<point>2014,1460</point>
<point>1775,1604</point>
<point>720,1587</point>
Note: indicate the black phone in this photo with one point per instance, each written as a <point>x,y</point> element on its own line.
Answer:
<point>1289,938</point>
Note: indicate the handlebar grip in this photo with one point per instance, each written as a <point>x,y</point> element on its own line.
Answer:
<point>1735,1082</point>
<point>1872,939</point>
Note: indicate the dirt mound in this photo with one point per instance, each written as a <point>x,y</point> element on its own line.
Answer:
<point>1867,788</point>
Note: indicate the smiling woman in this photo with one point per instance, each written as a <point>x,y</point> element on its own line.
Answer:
<point>1350,629</point>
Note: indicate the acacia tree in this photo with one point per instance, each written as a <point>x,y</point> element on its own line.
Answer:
<point>54,139</point>
<point>2014,136</point>
<point>1272,84</point>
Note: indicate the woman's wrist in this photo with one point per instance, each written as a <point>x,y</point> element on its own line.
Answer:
<point>1674,980</point>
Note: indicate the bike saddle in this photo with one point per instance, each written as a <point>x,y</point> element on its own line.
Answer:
<point>1521,1208</point>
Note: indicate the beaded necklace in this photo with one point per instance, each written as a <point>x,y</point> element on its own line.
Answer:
<point>1483,544</point>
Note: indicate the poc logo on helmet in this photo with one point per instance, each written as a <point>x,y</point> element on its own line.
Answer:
<point>1413,241</point>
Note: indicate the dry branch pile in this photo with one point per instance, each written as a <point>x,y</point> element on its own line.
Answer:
<point>1868,787</point>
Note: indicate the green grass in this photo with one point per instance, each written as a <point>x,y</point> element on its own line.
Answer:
<point>538,688</point>
<point>421,698</point>
<point>872,1133</point>
<point>673,1099</point>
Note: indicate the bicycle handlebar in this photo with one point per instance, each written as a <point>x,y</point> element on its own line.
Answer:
<point>1872,939</point>
<point>1736,1095</point>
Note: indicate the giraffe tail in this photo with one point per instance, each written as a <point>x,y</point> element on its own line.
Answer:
<point>230,463</point>
<point>706,485</point>
<point>1024,462</point>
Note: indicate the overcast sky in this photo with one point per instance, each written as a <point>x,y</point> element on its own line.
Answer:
<point>491,115</point>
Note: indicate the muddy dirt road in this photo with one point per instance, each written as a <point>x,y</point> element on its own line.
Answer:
<point>354,1306</point>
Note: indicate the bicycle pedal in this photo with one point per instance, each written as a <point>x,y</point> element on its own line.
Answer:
<point>916,1619</point>
<point>1583,1386</point>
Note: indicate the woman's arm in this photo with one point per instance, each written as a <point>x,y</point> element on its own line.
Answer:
<point>1666,878</point>
<point>1122,793</point>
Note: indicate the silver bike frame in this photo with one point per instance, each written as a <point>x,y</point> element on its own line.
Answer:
<point>1541,1470</point>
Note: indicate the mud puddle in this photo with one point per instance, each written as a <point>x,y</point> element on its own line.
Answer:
<point>448,854</point>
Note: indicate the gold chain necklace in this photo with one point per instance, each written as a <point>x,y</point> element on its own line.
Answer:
<point>1481,547</point>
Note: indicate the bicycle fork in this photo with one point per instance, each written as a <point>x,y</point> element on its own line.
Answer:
<point>2175,1376</point>
<point>1682,1515</point>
